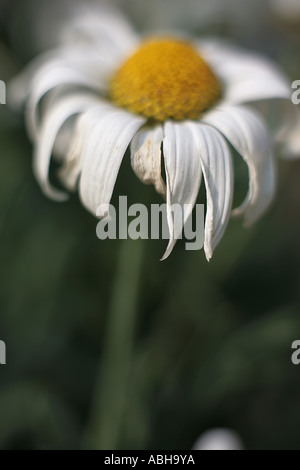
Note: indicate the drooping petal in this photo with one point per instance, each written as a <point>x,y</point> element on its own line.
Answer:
<point>216,162</point>
<point>248,135</point>
<point>53,122</point>
<point>183,175</point>
<point>247,77</point>
<point>146,157</point>
<point>89,66</point>
<point>94,41</point>
<point>250,78</point>
<point>103,153</point>
<point>63,139</point>
<point>48,78</point>
<point>71,169</point>
<point>19,87</point>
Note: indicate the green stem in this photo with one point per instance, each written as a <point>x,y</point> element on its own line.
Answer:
<point>112,388</point>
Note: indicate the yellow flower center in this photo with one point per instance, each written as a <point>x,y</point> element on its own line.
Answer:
<point>165,79</point>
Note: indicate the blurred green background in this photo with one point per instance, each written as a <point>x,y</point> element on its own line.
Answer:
<point>210,344</point>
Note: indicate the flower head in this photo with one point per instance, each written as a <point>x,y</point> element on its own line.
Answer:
<point>142,84</point>
<point>180,101</point>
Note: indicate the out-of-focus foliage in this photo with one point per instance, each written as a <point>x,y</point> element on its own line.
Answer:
<point>213,341</point>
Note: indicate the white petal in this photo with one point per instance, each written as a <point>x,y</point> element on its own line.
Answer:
<point>183,174</point>
<point>49,78</point>
<point>247,134</point>
<point>70,171</point>
<point>46,138</point>
<point>63,139</point>
<point>104,150</point>
<point>90,64</point>
<point>146,157</point>
<point>217,170</point>
<point>102,28</point>
<point>247,77</point>
<point>19,86</point>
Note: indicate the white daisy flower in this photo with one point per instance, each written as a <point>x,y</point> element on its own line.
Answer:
<point>171,100</point>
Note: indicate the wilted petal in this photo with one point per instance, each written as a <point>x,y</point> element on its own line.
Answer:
<point>183,174</point>
<point>104,150</point>
<point>53,122</point>
<point>146,157</point>
<point>247,134</point>
<point>216,163</point>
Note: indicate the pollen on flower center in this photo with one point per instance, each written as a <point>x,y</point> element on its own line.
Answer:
<point>165,79</point>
